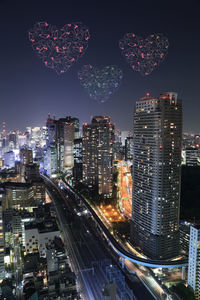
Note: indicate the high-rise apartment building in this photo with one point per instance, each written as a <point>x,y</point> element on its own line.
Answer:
<point>156,175</point>
<point>194,260</point>
<point>98,139</point>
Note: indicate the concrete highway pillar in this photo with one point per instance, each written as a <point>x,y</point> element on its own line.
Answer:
<point>122,262</point>
<point>183,273</point>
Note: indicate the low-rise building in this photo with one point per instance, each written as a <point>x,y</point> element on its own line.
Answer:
<point>18,195</point>
<point>192,157</point>
<point>37,235</point>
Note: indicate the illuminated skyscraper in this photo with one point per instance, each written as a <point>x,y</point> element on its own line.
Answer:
<point>65,142</point>
<point>60,137</point>
<point>194,260</point>
<point>157,174</point>
<point>12,141</point>
<point>98,138</point>
<point>9,159</point>
<point>78,159</point>
<point>68,145</point>
<point>26,156</point>
<point>51,161</point>
<point>129,148</point>
<point>3,134</point>
<point>51,131</point>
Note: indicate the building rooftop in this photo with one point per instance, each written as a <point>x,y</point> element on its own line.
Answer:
<point>15,185</point>
<point>196,226</point>
<point>48,225</point>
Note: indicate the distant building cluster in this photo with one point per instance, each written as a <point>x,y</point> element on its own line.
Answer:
<point>59,147</point>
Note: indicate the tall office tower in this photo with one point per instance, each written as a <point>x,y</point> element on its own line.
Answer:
<point>68,146</point>
<point>194,260</point>
<point>9,159</point>
<point>124,135</point>
<point>26,156</point>
<point>129,148</point>
<point>43,136</point>
<point>27,134</point>
<point>3,134</point>
<point>51,153</point>
<point>118,136</point>
<point>22,140</point>
<point>78,159</point>
<point>75,122</point>
<point>156,175</point>
<point>51,160</point>
<point>36,136</point>
<point>60,135</point>
<point>98,139</point>
<point>12,141</point>
<point>51,125</point>
<point>65,143</point>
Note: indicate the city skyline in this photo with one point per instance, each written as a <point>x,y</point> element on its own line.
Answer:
<point>99,150</point>
<point>32,90</point>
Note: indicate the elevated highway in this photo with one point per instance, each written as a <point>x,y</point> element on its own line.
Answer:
<point>124,254</point>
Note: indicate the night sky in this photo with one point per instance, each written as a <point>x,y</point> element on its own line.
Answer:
<point>29,90</point>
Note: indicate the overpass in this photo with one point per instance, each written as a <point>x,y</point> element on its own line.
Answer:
<point>152,263</point>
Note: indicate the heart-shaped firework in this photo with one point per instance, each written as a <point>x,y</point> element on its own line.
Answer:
<point>144,55</point>
<point>59,49</point>
<point>100,84</point>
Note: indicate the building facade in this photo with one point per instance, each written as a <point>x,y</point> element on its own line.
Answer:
<point>50,160</point>
<point>60,140</point>
<point>37,235</point>
<point>156,175</point>
<point>194,260</point>
<point>9,159</point>
<point>26,156</point>
<point>192,156</point>
<point>129,148</point>
<point>78,159</point>
<point>98,139</point>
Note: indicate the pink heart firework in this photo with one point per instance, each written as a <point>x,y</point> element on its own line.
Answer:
<point>59,49</point>
<point>144,55</point>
